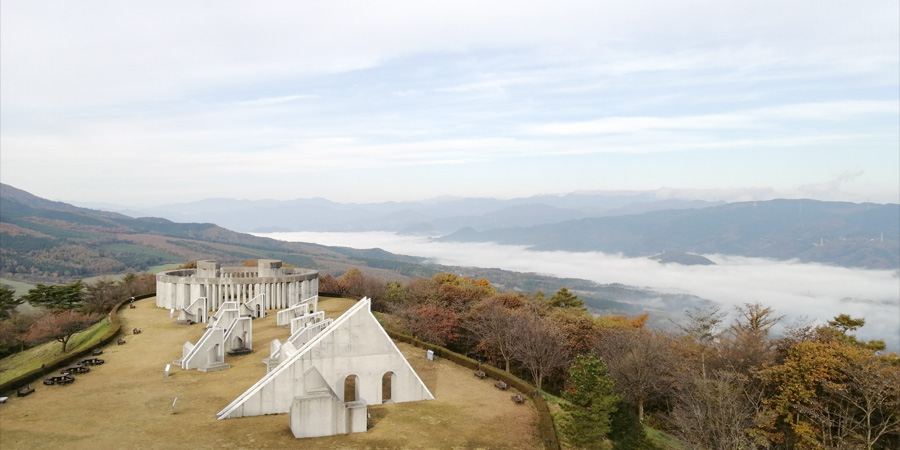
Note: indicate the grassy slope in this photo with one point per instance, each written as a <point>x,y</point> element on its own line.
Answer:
<point>136,401</point>
<point>22,362</point>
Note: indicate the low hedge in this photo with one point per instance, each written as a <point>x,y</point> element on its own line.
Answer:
<point>546,428</point>
<point>67,359</point>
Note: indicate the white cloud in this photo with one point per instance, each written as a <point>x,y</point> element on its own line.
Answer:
<point>293,87</point>
<point>816,291</point>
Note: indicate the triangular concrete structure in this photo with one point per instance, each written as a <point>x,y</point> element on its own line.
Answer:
<point>353,345</point>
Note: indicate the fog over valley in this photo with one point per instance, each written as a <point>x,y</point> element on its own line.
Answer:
<point>815,292</point>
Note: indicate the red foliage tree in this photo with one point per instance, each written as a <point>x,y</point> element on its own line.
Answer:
<point>432,323</point>
<point>60,326</point>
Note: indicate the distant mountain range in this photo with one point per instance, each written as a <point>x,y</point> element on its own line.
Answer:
<point>43,240</point>
<point>55,242</point>
<point>844,234</point>
<point>434,217</point>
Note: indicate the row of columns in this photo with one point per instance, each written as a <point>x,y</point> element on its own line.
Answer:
<point>278,294</point>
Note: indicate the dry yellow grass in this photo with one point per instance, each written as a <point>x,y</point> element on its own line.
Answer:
<point>127,402</point>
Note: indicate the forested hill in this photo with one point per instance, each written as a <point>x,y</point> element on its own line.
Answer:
<point>43,240</point>
<point>844,234</point>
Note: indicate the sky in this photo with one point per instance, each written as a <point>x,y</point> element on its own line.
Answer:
<point>802,293</point>
<point>146,103</point>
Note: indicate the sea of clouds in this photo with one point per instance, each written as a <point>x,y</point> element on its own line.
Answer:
<point>814,292</point>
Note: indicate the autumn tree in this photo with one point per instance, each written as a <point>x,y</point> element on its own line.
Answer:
<point>639,360</point>
<point>352,283</point>
<point>329,284</point>
<point>580,329</point>
<point>494,324</point>
<point>460,294</point>
<point>8,301</point>
<point>590,400</point>
<point>746,345</point>
<point>431,323</point>
<point>702,327</point>
<point>13,331</point>
<point>540,346</point>
<point>60,326</point>
<point>101,295</point>
<point>833,391</point>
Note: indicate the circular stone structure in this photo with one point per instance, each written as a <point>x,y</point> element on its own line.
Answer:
<point>283,287</point>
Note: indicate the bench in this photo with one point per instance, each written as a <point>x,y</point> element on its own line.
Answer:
<point>27,390</point>
<point>501,385</point>
<point>518,399</point>
<point>481,375</point>
<point>240,351</point>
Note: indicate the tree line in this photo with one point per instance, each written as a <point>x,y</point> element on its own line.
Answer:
<point>62,310</point>
<point>715,384</point>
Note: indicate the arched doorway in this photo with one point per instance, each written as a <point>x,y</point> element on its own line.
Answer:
<point>387,387</point>
<point>351,388</point>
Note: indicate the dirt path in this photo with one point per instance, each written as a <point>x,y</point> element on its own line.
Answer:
<point>127,402</point>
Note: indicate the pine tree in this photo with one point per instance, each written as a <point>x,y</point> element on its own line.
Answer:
<point>591,401</point>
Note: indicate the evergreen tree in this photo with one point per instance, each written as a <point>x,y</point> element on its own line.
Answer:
<point>56,297</point>
<point>591,402</point>
<point>8,302</point>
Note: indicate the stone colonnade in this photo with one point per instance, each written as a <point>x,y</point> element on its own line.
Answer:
<point>283,286</point>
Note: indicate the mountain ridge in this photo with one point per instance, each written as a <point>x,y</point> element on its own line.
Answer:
<point>839,233</point>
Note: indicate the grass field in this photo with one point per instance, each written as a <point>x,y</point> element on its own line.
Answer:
<point>127,402</point>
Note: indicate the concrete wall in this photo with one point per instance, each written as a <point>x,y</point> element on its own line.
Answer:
<point>323,414</point>
<point>353,345</point>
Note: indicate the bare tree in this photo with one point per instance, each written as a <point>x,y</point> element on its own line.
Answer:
<point>495,327</point>
<point>866,405</point>
<point>713,413</point>
<point>640,362</point>
<point>540,346</point>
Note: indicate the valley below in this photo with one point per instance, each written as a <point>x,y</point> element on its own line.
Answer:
<point>802,292</point>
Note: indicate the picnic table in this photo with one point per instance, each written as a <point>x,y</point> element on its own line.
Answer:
<point>27,390</point>
<point>120,342</point>
<point>480,374</point>
<point>75,370</point>
<point>518,399</point>
<point>136,331</point>
<point>91,362</point>
<point>97,352</point>
<point>59,379</point>
<point>501,385</point>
